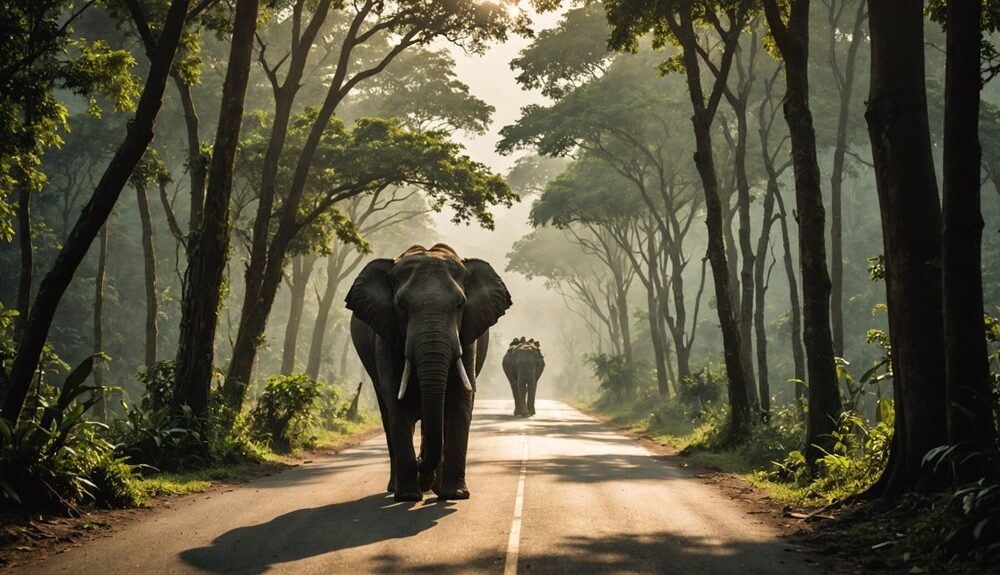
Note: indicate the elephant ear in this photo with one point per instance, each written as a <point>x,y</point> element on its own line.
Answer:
<point>370,298</point>
<point>487,299</point>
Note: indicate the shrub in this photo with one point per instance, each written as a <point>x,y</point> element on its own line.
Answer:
<point>155,435</point>
<point>859,456</point>
<point>55,458</point>
<point>702,387</point>
<point>284,411</point>
<point>616,375</point>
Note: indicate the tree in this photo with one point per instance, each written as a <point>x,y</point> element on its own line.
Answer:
<point>93,216</point>
<point>628,120</point>
<point>791,36</point>
<point>582,278</point>
<point>208,248</point>
<point>421,91</point>
<point>391,29</point>
<point>150,171</point>
<point>968,391</point>
<point>911,235</point>
<point>675,23</point>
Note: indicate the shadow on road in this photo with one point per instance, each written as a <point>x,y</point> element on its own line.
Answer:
<point>308,533</point>
<point>662,552</point>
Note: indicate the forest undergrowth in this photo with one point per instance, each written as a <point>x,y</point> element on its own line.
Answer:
<point>73,452</point>
<point>955,530</point>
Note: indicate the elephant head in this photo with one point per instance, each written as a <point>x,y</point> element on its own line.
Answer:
<point>429,305</point>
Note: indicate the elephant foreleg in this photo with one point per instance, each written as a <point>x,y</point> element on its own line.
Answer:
<point>384,414</point>
<point>404,459</point>
<point>458,420</point>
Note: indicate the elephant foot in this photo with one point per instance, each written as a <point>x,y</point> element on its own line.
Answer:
<point>391,486</point>
<point>407,495</point>
<point>425,480</point>
<point>452,492</point>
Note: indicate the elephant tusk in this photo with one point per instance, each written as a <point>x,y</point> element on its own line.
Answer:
<point>463,374</point>
<point>405,380</point>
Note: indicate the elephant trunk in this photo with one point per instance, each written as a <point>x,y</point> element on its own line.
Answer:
<point>433,363</point>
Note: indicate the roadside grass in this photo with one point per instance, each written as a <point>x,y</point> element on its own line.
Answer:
<point>161,484</point>
<point>326,438</point>
<point>158,484</point>
<point>699,438</point>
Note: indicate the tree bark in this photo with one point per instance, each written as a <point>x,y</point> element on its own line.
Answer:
<point>149,267</point>
<point>825,405</point>
<point>969,411</point>
<point>208,251</point>
<point>302,267</point>
<point>795,308</point>
<point>334,264</point>
<point>99,279</point>
<point>760,275</point>
<point>911,235</point>
<point>704,113</point>
<point>656,332</point>
<point>27,272</point>
<point>94,214</point>
<point>263,275</point>
<point>196,162</point>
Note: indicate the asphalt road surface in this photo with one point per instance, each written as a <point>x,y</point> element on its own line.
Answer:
<point>557,493</point>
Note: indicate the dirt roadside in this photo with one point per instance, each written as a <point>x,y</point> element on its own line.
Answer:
<point>30,539</point>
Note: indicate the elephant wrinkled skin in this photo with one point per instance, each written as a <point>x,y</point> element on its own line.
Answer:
<point>523,365</point>
<point>421,328</point>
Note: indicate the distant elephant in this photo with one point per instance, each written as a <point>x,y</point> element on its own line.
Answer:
<point>523,364</point>
<point>421,328</point>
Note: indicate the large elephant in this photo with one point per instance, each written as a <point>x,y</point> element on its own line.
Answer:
<point>421,327</point>
<point>523,364</point>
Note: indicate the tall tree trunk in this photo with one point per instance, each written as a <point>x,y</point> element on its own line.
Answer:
<point>845,85</point>
<point>760,281</point>
<point>911,236</point>
<point>264,269</point>
<point>970,413</point>
<point>196,161</point>
<point>746,278</point>
<point>825,405</point>
<point>94,214</point>
<point>794,307</point>
<point>24,241</point>
<point>208,251</point>
<point>624,324</point>
<point>99,279</point>
<point>704,112</point>
<point>302,267</point>
<point>656,334</point>
<point>334,264</point>
<point>149,267</point>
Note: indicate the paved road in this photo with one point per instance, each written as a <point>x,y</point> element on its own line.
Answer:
<point>559,493</point>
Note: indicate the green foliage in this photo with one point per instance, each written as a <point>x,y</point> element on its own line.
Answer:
<point>858,457</point>
<point>704,386</point>
<point>365,159</point>
<point>976,532</point>
<point>159,437</point>
<point>616,375</point>
<point>285,410</point>
<point>56,458</point>
<point>41,64</point>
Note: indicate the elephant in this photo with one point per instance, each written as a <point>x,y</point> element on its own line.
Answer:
<point>523,364</point>
<point>420,326</point>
